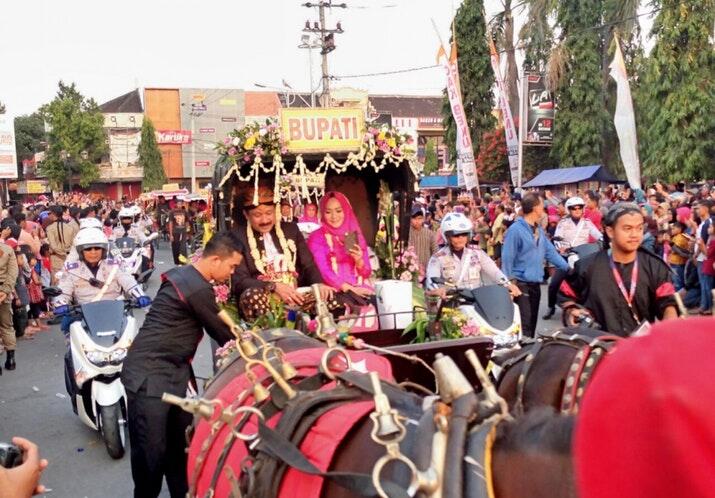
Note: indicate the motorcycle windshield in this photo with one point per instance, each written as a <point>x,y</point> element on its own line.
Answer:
<point>125,245</point>
<point>104,321</point>
<point>494,304</point>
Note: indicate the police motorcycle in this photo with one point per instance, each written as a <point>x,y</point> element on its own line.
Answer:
<point>100,334</point>
<point>131,256</point>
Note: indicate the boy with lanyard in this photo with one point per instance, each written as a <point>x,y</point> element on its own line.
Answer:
<point>623,286</point>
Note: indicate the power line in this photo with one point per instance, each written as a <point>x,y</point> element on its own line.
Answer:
<point>397,71</point>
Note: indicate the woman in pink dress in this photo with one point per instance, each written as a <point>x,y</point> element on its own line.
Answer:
<point>347,269</point>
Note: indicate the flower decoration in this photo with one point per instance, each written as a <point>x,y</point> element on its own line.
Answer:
<point>254,140</point>
<point>408,266</point>
<point>387,140</point>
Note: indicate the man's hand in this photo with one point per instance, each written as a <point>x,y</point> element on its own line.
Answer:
<point>288,294</point>
<point>514,290</point>
<point>575,315</point>
<point>23,481</point>
<point>440,292</point>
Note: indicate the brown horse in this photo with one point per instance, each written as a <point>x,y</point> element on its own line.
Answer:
<point>551,370</point>
<point>537,442</point>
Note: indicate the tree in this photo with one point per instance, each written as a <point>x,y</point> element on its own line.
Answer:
<point>475,73</point>
<point>29,136</point>
<point>537,34</point>
<point>502,31</point>
<point>150,158</point>
<point>677,94</point>
<point>575,68</point>
<point>76,138</point>
<point>492,160</point>
<point>431,163</point>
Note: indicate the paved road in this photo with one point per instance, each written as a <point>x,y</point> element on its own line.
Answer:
<point>33,404</point>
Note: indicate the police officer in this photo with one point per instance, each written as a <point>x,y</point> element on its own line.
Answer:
<point>127,227</point>
<point>8,276</point>
<point>84,223</point>
<point>94,277</point>
<point>159,361</point>
<point>460,264</point>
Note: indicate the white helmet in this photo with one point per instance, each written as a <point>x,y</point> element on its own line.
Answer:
<point>136,210</point>
<point>90,223</point>
<point>574,201</point>
<point>454,224</point>
<point>126,212</point>
<point>91,237</point>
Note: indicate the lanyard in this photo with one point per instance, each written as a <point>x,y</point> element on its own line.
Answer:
<point>628,296</point>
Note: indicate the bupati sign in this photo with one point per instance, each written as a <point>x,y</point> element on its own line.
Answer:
<point>322,130</point>
<point>176,137</point>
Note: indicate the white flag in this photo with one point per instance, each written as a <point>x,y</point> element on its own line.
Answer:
<point>466,168</point>
<point>512,140</point>
<point>625,121</point>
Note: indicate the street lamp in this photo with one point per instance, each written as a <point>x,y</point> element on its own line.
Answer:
<point>305,42</point>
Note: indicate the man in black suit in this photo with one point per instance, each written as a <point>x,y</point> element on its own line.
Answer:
<point>276,259</point>
<point>159,361</point>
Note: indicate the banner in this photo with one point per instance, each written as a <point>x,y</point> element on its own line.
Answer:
<point>173,137</point>
<point>512,140</point>
<point>625,120</point>
<point>466,168</point>
<point>322,129</point>
<point>539,117</point>
<point>8,155</point>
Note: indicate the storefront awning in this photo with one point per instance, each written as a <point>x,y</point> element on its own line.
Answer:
<point>565,176</point>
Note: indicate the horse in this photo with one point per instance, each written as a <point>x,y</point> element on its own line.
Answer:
<point>527,443</point>
<point>551,370</point>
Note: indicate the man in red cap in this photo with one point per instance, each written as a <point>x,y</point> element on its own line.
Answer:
<point>646,427</point>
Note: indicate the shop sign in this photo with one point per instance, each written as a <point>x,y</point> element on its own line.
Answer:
<point>175,137</point>
<point>322,129</point>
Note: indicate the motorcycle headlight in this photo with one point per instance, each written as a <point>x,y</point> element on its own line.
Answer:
<point>98,358</point>
<point>117,356</point>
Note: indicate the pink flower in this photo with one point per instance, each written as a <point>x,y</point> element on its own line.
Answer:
<point>232,151</point>
<point>222,293</point>
<point>470,330</point>
<point>246,158</point>
<point>397,151</point>
<point>412,268</point>
<point>367,137</point>
<point>258,151</point>
<point>312,326</point>
<point>226,348</point>
<point>284,150</point>
<point>227,140</point>
<point>406,276</point>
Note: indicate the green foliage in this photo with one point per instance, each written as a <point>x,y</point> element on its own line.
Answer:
<point>676,97</point>
<point>76,138</point>
<point>475,74</point>
<point>150,158</point>
<point>29,135</point>
<point>581,116</point>
<point>431,163</point>
<point>537,34</point>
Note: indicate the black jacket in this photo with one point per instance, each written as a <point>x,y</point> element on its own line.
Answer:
<point>246,275</point>
<point>162,351</point>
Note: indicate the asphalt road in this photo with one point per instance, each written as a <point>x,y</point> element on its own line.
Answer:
<point>33,404</point>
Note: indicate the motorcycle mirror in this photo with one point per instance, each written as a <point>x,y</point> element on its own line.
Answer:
<point>438,280</point>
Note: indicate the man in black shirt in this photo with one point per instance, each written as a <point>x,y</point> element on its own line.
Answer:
<point>159,362</point>
<point>623,286</point>
<point>179,224</point>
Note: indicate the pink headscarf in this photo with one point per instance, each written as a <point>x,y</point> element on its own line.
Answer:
<point>683,213</point>
<point>309,219</point>
<point>350,223</point>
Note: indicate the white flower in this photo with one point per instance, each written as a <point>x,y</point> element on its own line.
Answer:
<point>262,132</point>
<point>235,141</point>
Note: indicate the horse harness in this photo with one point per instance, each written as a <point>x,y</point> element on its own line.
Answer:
<point>589,354</point>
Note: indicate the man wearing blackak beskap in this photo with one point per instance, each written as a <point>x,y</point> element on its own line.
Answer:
<point>159,362</point>
<point>623,285</point>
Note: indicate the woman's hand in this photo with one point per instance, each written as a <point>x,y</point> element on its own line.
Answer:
<point>326,292</point>
<point>363,291</point>
<point>356,253</point>
<point>288,294</point>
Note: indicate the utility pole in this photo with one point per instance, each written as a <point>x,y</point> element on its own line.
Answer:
<point>327,41</point>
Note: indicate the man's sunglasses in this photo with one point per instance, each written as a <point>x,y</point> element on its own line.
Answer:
<point>575,208</point>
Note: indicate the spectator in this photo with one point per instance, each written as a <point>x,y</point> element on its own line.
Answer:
<point>421,238</point>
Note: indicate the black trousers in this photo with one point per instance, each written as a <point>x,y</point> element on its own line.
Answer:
<point>178,246</point>
<point>529,306</point>
<point>554,284</point>
<point>158,445</point>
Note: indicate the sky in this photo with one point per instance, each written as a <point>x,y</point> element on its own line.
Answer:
<point>108,49</point>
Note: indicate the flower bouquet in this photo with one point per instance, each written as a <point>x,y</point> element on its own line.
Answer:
<point>452,324</point>
<point>387,140</point>
<point>407,266</point>
<point>252,141</point>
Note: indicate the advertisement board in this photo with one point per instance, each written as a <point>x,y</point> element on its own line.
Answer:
<point>175,137</point>
<point>8,155</point>
<point>322,129</point>
<point>539,110</point>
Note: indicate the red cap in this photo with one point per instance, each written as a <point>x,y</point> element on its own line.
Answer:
<point>646,427</point>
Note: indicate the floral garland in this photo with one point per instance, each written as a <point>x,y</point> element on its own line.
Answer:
<point>250,144</point>
<point>290,252</point>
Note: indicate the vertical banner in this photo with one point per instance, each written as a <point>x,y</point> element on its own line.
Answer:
<point>624,120</point>
<point>8,155</point>
<point>512,140</point>
<point>538,113</point>
<point>466,168</point>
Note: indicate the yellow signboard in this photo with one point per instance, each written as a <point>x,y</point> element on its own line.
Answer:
<point>322,130</point>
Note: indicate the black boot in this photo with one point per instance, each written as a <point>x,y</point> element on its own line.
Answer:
<point>10,360</point>
<point>549,314</point>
